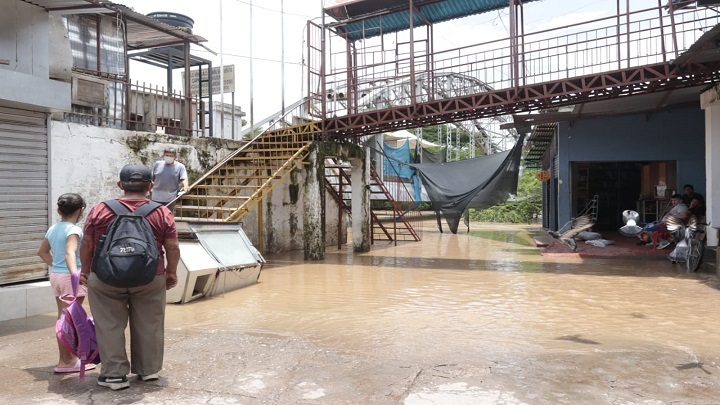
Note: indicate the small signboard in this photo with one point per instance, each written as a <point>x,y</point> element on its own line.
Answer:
<point>543,175</point>
<point>228,79</point>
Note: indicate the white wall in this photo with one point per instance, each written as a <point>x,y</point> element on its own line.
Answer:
<point>710,101</point>
<point>227,119</point>
<point>24,55</point>
<point>87,160</point>
<point>284,215</point>
<point>24,31</point>
<point>61,60</point>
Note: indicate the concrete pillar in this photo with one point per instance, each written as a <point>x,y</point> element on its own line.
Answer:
<point>710,103</point>
<point>314,203</point>
<point>361,229</point>
<point>378,140</point>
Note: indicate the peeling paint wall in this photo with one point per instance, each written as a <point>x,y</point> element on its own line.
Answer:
<point>361,229</point>
<point>61,60</point>
<point>314,213</point>
<point>282,211</point>
<point>282,216</point>
<point>360,161</point>
<point>87,160</point>
<point>332,232</point>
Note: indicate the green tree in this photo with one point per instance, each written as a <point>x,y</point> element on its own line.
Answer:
<point>523,208</point>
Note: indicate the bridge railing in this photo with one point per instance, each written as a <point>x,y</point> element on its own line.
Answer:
<point>368,76</point>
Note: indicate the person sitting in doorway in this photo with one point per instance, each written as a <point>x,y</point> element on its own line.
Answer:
<point>697,206</point>
<point>689,194</point>
<point>677,210</point>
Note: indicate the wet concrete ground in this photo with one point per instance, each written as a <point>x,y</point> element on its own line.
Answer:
<point>479,318</point>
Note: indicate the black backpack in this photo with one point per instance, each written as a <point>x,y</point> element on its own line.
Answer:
<point>127,255</point>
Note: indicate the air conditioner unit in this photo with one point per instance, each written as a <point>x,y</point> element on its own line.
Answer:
<point>89,91</point>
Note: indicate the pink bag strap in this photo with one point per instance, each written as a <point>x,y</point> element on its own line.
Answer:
<point>75,282</point>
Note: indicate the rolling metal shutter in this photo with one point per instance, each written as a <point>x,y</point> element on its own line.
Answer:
<point>23,194</point>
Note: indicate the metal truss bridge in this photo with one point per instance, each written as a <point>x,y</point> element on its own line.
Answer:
<point>369,87</point>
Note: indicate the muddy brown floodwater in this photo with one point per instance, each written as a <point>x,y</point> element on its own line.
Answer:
<point>472,318</point>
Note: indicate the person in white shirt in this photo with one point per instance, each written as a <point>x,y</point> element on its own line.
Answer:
<point>678,210</point>
<point>169,179</point>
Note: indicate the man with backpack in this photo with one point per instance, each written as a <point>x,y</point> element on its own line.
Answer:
<point>127,277</point>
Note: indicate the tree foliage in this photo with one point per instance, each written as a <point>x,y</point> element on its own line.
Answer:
<point>526,207</point>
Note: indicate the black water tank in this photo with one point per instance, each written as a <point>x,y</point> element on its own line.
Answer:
<point>174,19</point>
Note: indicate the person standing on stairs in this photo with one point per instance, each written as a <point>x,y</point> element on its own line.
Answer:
<point>170,179</point>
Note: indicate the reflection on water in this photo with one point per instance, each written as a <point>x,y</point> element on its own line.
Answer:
<point>519,237</point>
<point>489,290</point>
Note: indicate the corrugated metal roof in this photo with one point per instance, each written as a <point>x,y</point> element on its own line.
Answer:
<point>143,32</point>
<point>368,18</point>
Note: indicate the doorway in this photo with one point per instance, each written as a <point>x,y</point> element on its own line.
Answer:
<point>617,185</point>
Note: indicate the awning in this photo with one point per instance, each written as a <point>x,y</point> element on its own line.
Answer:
<point>359,19</point>
<point>143,32</point>
<point>410,137</point>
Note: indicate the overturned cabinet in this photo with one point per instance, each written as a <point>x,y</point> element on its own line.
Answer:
<point>214,258</point>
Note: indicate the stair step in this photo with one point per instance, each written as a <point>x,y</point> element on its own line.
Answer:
<point>251,167</point>
<point>218,186</point>
<point>196,208</point>
<point>193,219</point>
<point>260,158</point>
<point>213,176</point>
<point>215,197</point>
<point>273,149</point>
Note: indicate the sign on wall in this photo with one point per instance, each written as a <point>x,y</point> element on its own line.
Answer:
<point>228,79</point>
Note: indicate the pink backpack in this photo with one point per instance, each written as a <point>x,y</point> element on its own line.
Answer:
<point>76,331</point>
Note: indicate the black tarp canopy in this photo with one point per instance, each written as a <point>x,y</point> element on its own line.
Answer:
<point>477,183</point>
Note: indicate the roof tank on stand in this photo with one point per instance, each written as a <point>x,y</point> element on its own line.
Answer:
<point>174,19</point>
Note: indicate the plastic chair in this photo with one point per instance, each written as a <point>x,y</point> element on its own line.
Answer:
<point>659,234</point>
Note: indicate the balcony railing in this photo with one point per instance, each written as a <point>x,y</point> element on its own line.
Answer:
<point>109,101</point>
<point>379,76</point>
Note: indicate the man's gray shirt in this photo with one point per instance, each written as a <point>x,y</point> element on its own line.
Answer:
<point>167,180</point>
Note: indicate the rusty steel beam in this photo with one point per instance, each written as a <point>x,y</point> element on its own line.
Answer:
<point>595,87</point>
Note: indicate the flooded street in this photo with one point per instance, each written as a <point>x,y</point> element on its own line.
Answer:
<point>478,318</point>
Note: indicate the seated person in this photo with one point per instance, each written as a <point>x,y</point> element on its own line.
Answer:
<point>690,194</point>
<point>697,207</point>
<point>677,210</point>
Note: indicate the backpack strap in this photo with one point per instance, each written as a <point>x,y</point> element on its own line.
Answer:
<point>146,208</point>
<point>117,207</point>
<point>120,209</point>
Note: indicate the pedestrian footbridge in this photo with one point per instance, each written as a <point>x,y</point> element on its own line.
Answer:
<point>361,83</point>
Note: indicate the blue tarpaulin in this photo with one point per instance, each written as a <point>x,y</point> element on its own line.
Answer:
<point>395,163</point>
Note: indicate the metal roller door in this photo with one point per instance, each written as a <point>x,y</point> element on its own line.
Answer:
<point>23,194</point>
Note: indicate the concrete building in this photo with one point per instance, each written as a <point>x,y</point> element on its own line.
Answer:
<point>70,118</point>
<point>67,120</point>
<point>28,95</point>
<point>632,153</point>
